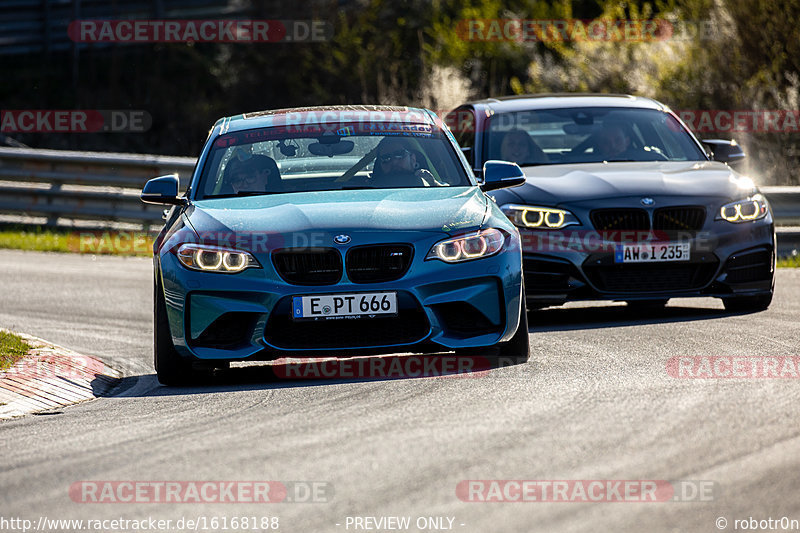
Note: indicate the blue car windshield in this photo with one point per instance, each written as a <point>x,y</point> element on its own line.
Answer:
<point>278,160</point>
<point>588,135</point>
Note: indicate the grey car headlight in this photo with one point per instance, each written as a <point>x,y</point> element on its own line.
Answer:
<point>746,210</point>
<point>535,217</point>
<point>209,258</point>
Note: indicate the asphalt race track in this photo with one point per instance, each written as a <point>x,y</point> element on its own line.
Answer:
<point>596,402</point>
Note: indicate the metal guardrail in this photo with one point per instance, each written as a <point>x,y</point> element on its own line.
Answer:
<point>95,186</point>
<point>33,27</point>
<point>104,187</point>
<point>785,202</point>
<point>788,242</point>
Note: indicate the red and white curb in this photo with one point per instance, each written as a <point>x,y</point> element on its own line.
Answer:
<point>52,376</point>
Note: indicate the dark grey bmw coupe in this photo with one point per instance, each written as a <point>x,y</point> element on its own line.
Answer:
<point>622,202</point>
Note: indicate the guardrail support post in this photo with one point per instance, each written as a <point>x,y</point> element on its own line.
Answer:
<point>52,220</point>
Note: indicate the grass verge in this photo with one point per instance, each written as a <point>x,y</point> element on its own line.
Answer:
<point>12,349</point>
<point>789,262</point>
<point>42,239</point>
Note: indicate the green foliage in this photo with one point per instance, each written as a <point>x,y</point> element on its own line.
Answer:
<point>12,349</point>
<point>385,51</point>
<point>45,239</point>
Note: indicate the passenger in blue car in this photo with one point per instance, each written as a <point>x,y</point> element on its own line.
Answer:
<point>256,173</point>
<point>398,165</point>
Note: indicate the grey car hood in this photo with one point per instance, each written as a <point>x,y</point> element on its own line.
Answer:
<point>563,184</point>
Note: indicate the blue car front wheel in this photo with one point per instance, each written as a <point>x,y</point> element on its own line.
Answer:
<point>171,368</point>
<point>518,349</point>
<point>515,351</point>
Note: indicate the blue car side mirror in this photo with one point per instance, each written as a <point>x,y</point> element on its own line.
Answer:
<point>162,190</point>
<point>501,174</point>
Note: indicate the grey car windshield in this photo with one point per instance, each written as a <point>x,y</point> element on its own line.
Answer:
<point>286,160</point>
<point>588,135</point>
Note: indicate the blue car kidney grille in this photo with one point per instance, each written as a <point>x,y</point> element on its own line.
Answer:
<point>378,263</point>
<point>308,266</point>
<point>323,266</point>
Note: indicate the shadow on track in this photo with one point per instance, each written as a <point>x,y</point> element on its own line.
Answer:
<point>293,373</point>
<point>597,317</point>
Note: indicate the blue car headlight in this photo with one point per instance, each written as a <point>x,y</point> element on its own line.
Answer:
<point>209,258</point>
<point>484,243</point>
<point>746,210</point>
<point>535,217</point>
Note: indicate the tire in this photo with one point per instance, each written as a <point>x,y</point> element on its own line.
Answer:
<point>517,350</point>
<point>647,305</point>
<point>747,303</point>
<point>171,368</point>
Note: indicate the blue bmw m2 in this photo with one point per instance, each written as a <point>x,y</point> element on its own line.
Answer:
<point>334,232</point>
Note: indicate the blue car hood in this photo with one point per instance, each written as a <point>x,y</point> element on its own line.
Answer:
<point>419,209</point>
<point>563,184</point>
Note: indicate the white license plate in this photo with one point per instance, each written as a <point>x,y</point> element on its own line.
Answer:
<point>361,305</point>
<point>652,252</point>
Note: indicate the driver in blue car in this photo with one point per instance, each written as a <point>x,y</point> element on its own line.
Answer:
<point>398,165</point>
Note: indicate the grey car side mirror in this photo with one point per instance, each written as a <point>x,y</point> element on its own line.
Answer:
<point>725,151</point>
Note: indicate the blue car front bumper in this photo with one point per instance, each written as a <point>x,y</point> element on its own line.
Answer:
<point>248,315</point>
